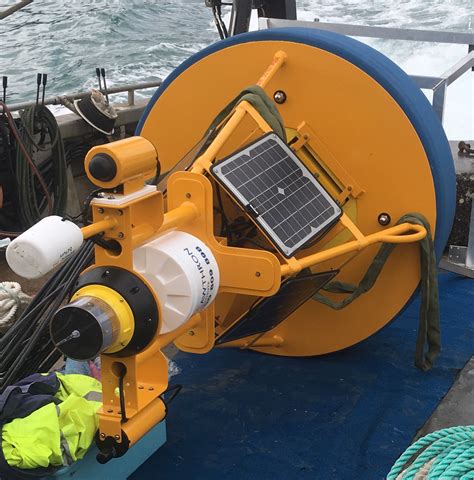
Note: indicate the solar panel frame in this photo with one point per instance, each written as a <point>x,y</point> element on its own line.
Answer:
<point>257,194</point>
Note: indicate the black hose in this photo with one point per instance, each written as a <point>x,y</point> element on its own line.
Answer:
<point>8,217</point>
<point>38,121</point>
<point>123,412</point>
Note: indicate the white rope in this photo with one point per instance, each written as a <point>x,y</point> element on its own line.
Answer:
<point>421,474</point>
<point>12,302</point>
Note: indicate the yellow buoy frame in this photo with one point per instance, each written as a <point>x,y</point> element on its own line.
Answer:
<point>350,159</point>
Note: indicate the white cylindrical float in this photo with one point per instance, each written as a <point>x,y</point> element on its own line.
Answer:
<point>183,272</point>
<point>43,246</point>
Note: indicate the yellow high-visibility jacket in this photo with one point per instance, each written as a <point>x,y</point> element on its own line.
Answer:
<point>57,434</point>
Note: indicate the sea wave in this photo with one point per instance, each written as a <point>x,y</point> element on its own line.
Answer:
<point>139,41</point>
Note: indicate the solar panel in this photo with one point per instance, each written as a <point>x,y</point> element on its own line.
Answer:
<point>278,192</point>
<point>269,312</point>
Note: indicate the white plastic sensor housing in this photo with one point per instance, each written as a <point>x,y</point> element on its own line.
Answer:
<point>43,247</point>
<point>182,271</point>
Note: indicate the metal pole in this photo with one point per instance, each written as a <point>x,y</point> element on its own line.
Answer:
<point>377,32</point>
<point>470,241</point>
<point>240,17</point>
<point>9,11</point>
<point>64,99</point>
<point>284,9</point>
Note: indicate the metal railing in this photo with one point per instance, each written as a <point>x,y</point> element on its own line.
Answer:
<point>461,259</point>
<point>65,99</point>
<point>438,84</point>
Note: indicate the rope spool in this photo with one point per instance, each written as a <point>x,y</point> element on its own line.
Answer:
<point>446,454</point>
<point>97,112</point>
<point>12,302</point>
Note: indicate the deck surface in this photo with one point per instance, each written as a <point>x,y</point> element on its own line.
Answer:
<point>457,407</point>
<point>348,415</point>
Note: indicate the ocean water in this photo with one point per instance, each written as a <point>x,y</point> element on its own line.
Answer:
<point>139,41</point>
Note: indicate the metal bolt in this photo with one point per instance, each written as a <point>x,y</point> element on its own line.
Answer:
<point>257,274</point>
<point>141,387</point>
<point>188,195</point>
<point>120,235</point>
<point>117,437</point>
<point>191,333</point>
<point>384,219</point>
<point>151,389</point>
<point>306,137</point>
<point>101,194</point>
<point>100,210</point>
<point>279,96</point>
<point>102,435</point>
<point>110,410</point>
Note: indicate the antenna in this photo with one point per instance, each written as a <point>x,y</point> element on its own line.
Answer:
<point>38,84</point>
<point>102,71</point>
<point>45,81</point>
<point>5,84</point>
<point>97,72</point>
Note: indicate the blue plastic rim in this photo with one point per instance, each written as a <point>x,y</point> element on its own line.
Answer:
<point>391,77</point>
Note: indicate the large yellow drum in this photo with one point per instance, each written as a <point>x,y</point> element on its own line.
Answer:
<point>362,124</point>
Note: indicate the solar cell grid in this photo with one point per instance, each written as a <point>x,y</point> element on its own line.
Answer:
<point>278,190</point>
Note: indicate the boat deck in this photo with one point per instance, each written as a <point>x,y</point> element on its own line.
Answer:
<point>348,415</point>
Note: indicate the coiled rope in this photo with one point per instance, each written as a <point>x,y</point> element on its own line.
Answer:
<point>12,303</point>
<point>446,454</point>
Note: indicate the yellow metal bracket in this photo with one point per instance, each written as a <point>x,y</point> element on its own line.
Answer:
<point>242,270</point>
<point>146,379</point>
<point>204,162</point>
<point>130,223</point>
<point>403,233</point>
<point>328,162</point>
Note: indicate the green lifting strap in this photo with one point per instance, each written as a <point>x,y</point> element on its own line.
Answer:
<point>257,97</point>
<point>429,327</point>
